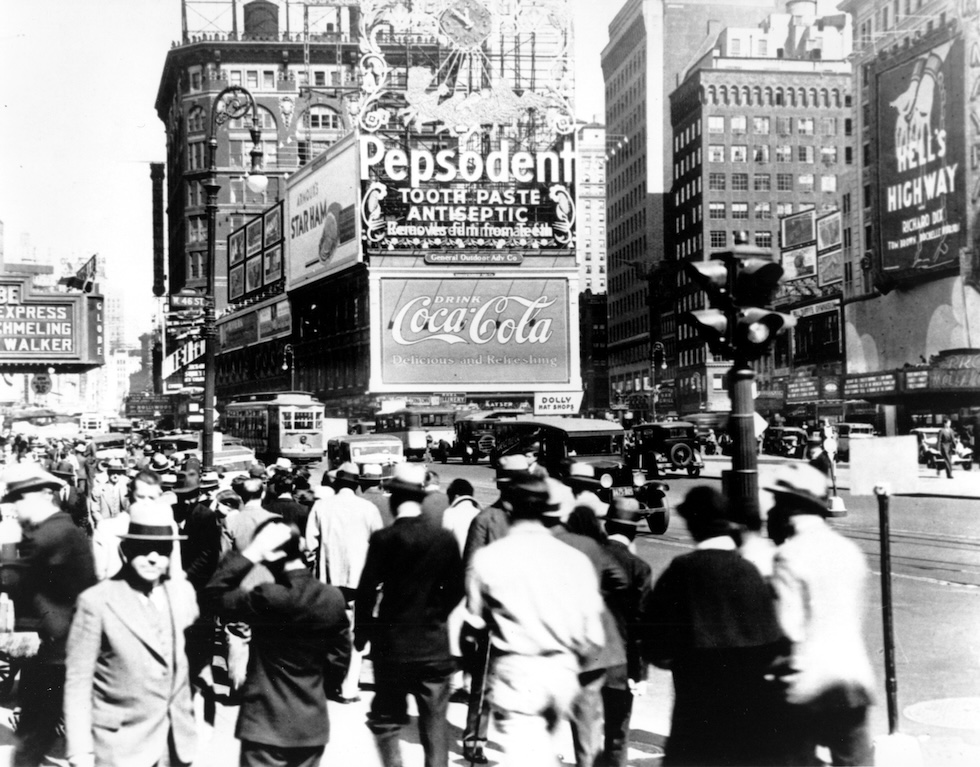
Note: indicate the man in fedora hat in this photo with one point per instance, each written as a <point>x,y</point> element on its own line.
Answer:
<point>373,491</point>
<point>418,570</point>
<point>127,688</point>
<point>623,682</point>
<point>540,598</point>
<point>337,532</point>
<point>113,494</point>
<point>54,567</point>
<point>819,577</point>
<point>298,650</point>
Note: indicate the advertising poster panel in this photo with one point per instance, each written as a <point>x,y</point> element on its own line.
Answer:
<point>255,255</point>
<point>922,163</point>
<point>321,220</point>
<point>799,263</point>
<point>445,333</point>
<point>463,200</point>
<point>830,267</point>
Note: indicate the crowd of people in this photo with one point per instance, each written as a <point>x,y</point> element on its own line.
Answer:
<point>150,585</point>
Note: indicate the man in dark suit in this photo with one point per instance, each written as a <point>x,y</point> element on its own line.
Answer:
<point>55,565</point>
<point>623,682</point>
<point>299,649</point>
<point>418,570</point>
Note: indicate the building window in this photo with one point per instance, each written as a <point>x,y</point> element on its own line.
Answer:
<point>738,123</point>
<point>716,153</point>
<point>319,78</point>
<point>828,126</point>
<point>763,211</point>
<point>195,120</point>
<point>804,154</point>
<point>716,182</point>
<point>763,239</point>
<point>195,80</point>
<point>740,182</point>
<point>805,182</point>
<point>716,124</point>
<point>252,79</point>
<point>719,238</point>
<point>804,126</point>
<point>235,77</point>
<point>828,154</point>
<point>848,126</point>
<point>784,153</point>
<point>760,153</point>
<point>845,202</point>
<point>760,125</point>
<point>828,183</point>
<point>762,48</point>
<point>740,153</point>
<point>195,155</point>
<point>848,155</point>
<point>782,126</point>
<point>740,210</point>
<point>735,47</point>
<point>762,182</point>
<point>716,210</point>
<point>269,80</point>
<point>783,209</point>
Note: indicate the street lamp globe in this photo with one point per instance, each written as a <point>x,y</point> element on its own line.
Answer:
<point>257,182</point>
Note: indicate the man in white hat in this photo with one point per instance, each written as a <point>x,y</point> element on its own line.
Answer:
<point>819,577</point>
<point>54,567</point>
<point>127,663</point>
<point>337,532</point>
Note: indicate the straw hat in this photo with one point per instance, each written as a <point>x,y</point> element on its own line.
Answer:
<point>151,521</point>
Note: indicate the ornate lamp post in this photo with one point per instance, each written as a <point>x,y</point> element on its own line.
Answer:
<point>657,360</point>
<point>231,104</point>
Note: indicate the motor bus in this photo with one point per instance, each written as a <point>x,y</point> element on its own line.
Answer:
<point>282,424</point>
<point>420,429</point>
<point>381,450</point>
<point>474,433</point>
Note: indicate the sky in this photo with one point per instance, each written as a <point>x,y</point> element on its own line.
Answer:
<point>79,129</point>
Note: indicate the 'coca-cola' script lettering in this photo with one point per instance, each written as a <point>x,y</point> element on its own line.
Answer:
<point>473,324</point>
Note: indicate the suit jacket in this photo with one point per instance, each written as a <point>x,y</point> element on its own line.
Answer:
<point>420,574</point>
<point>54,567</point>
<point>202,549</point>
<point>487,526</point>
<point>300,648</point>
<point>625,605</point>
<point>123,694</point>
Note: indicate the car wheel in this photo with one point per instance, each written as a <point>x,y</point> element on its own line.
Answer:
<point>681,455</point>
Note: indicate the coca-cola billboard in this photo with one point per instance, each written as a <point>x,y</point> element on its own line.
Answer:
<point>473,333</point>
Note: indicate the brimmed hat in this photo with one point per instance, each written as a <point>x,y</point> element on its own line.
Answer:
<point>409,479</point>
<point>348,472</point>
<point>25,478</point>
<point>187,482</point>
<point>624,511</point>
<point>80,447</point>
<point>582,475</point>
<point>229,498</point>
<point>371,472</point>
<point>561,500</point>
<point>510,467</point>
<point>209,480</point>
<point>530,493</point>
<point>151,521</point>
<point>115,466</point>
<point>256,471</point>
<point>284,463</point>
<point>160,463</point>
<point>168,480</point>
<point>805,484</point>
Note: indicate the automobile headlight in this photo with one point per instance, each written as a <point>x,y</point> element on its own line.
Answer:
<point>638,479</point>
<point>606,480</point>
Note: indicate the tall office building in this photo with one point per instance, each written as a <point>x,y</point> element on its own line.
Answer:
<point>650,43</point>
<point>590,195</point>
<point>761,138</point>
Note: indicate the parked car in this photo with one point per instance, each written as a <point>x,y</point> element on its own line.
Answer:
<point>666,445</point>
<point>848,431</point>
<point>786,441</point>
<point>380,449</point>
<point>928,437</point>
<point>229,452</point>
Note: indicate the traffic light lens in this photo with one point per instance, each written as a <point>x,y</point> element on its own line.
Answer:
<point>757,333</point>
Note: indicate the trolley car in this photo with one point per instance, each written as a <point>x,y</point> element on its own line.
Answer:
<point>421,430</point>
<point>277,425</point>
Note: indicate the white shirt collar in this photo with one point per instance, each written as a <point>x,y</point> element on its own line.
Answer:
<point>719,543</point>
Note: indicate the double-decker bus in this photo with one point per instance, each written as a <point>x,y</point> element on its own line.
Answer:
<point>420,429</point>
<point>282,424</point>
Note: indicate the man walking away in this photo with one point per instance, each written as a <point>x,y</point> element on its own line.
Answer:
<point>541,601</point>
<point>300,647</point>
<point>819,577</point>
<point>946,440</point>
<point>419,573</point>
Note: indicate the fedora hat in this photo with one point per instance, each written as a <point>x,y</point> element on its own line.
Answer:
<point>560,499</point>
<point>209,480</point>
<point>348,472</point>
<point>284,463</point>
<point>582,475</point>
<point>151,521</point>
<point>115,466</point>
<point>410,479</point>
<point>371,472</point>
<point>804,484</point>
<point>187,482</point>
<point>530,493</point>
<point>624,511</point>
<point>511,466</point>
<point>22,478</point>
<point>160,463</point>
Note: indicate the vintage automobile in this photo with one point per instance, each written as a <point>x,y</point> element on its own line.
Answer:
<point>381,449</point>
<point>670,445</point>
<point>229,452</point>
<point>561,442</point>
<point>787,441</point>
<point>928,437</point>
<point>851,431</point>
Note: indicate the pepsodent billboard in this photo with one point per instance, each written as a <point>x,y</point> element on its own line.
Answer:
<point>321,215</point>
<point>922,163</point>
<point>473,333</point>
